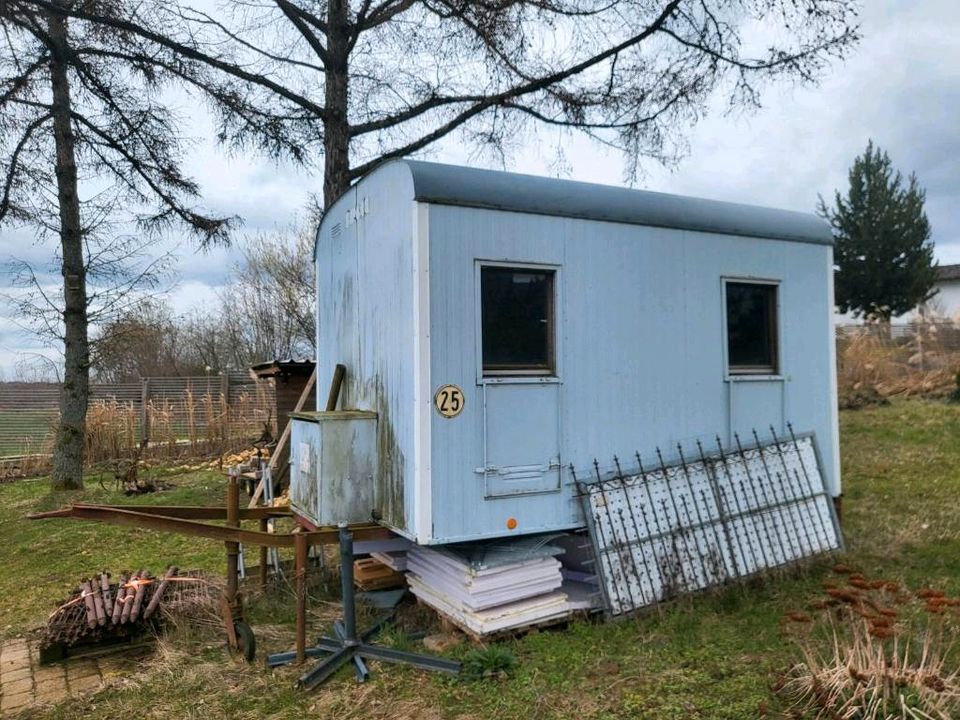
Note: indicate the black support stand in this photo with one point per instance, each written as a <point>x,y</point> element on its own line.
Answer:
<point>349,645</point>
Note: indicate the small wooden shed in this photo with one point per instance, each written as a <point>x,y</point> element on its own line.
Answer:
<point>290,379</point>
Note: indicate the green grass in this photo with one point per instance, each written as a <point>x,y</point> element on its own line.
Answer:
<point>44,560</point>
<point>714,656</point>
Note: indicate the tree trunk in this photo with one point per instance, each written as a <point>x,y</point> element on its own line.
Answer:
<point>68,451</point>
<point>336,130</point>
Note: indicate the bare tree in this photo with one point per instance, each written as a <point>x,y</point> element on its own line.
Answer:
<point>72,111</point>
<point>265,310</point>
<point>267,304</point>
<point>141,341</point>
<point>360,82</point>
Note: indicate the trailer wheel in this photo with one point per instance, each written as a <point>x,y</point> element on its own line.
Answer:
<point>247,643</point>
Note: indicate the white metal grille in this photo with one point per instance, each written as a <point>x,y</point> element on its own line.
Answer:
<point>701,521</point>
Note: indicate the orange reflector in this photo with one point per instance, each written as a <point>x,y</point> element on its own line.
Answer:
<point>511,523</point>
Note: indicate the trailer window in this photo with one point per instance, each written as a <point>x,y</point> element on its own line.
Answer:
<point>517,318</point>
<point>751,328</point>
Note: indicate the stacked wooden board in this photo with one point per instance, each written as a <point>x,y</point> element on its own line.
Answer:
<point>505,589</point>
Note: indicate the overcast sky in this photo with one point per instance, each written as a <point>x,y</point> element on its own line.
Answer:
<point>901,88</point>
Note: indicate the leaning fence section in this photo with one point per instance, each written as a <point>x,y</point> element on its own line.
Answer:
<point>707,516</point>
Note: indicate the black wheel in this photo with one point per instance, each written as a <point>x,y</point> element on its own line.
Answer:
<point>246,640</point>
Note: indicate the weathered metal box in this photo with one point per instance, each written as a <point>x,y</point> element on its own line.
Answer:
<point>333,458</point>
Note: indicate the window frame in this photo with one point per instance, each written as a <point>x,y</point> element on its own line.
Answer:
<point>753,372</point>
<point>545,374</point>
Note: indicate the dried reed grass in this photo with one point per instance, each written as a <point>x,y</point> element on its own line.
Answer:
<point>871,651</point>
<point>873,365</point>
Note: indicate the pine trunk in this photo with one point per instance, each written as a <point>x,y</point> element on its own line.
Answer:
<point>336,138</point>
<point>68,451</point>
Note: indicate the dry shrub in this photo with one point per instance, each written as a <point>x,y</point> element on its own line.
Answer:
<point>876,362</point>
<point>112,430</point>
<point>875,652</point>
<point>182,427</point>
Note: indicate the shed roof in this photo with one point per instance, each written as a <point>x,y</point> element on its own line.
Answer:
<point>472,187</point>
<point>278,366</point>
<point>948,272</point>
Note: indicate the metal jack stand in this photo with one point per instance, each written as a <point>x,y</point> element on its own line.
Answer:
<point>349,645</point>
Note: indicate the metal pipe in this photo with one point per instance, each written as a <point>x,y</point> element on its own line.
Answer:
<point>98,602</point>
<point>130,597</point>
<point>86,592</point>
<point>118,602</point>
<point>300,571</point>
<point>184,512</point>
<point>105,592</point>
<point>138,597</point>
<point>346,585</point>
<point>158,593</point>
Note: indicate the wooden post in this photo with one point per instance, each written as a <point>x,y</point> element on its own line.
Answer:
<point>263,556</point>
<point>233,548</point>
<point>144,408</point>
<point>300,568</point>
<point>225,392</point>
<point>334,395</point>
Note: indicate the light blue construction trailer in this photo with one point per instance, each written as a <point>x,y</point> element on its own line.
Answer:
<point>498,328</point>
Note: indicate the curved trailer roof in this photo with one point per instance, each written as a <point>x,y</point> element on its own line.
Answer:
<point>471,187</point>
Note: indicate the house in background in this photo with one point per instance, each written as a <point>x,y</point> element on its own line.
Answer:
<point>946,303</point>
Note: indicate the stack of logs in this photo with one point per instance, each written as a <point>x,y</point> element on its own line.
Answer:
<point>99,609</point>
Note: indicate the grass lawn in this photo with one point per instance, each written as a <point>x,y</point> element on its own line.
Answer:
<point>714,656</point>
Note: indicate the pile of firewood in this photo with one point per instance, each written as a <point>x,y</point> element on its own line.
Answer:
<point>100,610</point>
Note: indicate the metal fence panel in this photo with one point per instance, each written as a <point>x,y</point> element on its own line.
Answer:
<point>691,524</point>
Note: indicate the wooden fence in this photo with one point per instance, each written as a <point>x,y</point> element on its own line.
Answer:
<point>165,409</point>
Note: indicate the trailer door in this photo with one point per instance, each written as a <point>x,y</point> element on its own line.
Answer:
<point>519,378</point>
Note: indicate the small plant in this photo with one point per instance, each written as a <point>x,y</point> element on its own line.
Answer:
<point>493,661</point>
